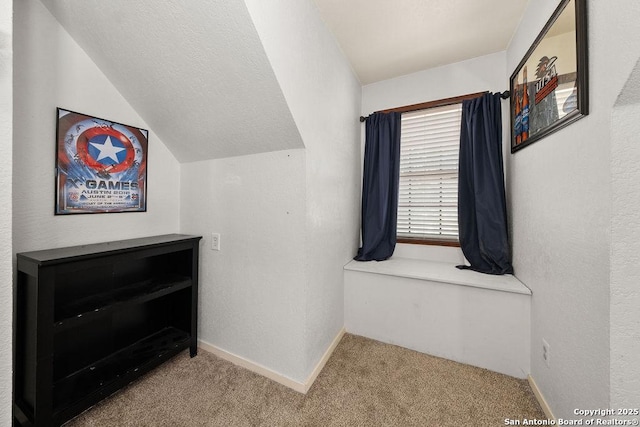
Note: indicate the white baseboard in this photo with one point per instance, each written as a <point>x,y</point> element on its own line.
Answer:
<point>271,374</point>
<point>323,360</point>
<point>540,398</point>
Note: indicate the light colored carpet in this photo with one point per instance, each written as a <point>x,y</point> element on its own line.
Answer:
<point>364,383</point>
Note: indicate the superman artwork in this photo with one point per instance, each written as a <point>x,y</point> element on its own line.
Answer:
<point>101,166</point>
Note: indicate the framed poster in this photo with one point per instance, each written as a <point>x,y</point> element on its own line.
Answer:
<point>549,86</point>
<point>101,166</point>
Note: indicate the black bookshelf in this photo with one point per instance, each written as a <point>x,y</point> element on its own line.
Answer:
<point>91,319</point>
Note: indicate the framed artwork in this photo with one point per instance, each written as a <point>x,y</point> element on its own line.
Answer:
<point>549,88</point>
<point>101,166</point>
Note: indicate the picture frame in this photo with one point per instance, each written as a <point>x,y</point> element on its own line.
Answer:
<point>555,92</point>
<point>101,165</point>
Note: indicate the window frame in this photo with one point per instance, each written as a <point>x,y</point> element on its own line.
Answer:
<point>424,106</point>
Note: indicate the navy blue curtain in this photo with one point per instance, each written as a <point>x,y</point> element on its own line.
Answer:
<point>380,187</point>
<point>482,211</point>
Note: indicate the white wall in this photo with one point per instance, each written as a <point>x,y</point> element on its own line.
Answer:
<point>6,289</point>
<point>559,193</point>
<point>51,71</point>
<point>625,247</point>
<point>252,291</point>
<point>461,78</point>
<point>468,324</point>
<point>288,220</point>
<point>324,95</point>
<point>484,73</point>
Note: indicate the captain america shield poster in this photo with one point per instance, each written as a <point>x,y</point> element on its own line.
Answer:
<point>101,165</point>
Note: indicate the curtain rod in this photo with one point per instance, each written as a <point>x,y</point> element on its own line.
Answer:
<point>504,95</point>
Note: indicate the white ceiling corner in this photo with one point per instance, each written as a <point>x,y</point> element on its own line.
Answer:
<point>385,39</point>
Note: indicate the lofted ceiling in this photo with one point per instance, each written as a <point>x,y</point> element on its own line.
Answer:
<point>195,71</point>
<point>198,74</point>
<point>385,39</point>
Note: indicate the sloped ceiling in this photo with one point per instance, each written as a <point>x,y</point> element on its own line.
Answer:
<point>195,71</point>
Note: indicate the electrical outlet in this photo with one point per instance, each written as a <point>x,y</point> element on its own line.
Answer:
<point>215,241</point>
<point>546,352</point>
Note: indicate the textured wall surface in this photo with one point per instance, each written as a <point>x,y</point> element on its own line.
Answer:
<point>625,246</point>
<point>480,327</point>
<point>51,71</point>
<point>559,192</point>
<point>6,301</point>
<point>288,220</point>
<point>195,72</point>
<point>252,291</point>
<point>324,97</point>
<point>272,293</point>
<point>460,78</point>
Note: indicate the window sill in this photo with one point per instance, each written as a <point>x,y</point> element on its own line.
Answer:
<point>439,272</point>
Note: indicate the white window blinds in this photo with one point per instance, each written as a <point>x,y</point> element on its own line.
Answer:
<point>428,196</point>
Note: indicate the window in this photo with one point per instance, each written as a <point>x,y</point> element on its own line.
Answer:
<point>428,196</point>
